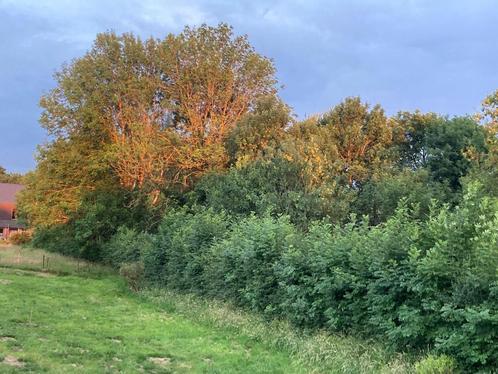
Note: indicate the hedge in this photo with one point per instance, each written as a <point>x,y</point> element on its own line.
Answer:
<point>421,285</point>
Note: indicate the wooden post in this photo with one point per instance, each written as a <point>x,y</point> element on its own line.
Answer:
<point>43,266</point>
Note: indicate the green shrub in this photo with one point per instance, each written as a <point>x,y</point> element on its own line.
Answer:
<point>436,365</point>
<point>178,255</point>
<point>59,239</point>
<point>413,284</point>
<point>133,273</point>
<point>125,246</point>
<point>242,266</point>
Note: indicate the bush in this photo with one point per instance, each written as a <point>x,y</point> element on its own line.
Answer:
<point>20,237</point>
<point>125,246</point>
<point>133,273</point>
<point>414,284</point>
<point>242,265</point>
<point>177,257</point>
<point>435,365</point>
<point>59,239</point>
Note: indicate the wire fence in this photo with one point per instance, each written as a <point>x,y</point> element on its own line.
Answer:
<point>39,260</point>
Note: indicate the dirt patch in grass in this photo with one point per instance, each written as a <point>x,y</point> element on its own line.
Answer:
<point>5,281</point>
<point>13,361</point>
<point>7,339</point>
<point>41,274</point>
<point>160,361</point>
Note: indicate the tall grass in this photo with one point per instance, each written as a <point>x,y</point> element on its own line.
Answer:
<point>319,351</point>
<point>26,258</point>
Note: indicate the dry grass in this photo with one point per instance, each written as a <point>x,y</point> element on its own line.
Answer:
<point>13,256</point>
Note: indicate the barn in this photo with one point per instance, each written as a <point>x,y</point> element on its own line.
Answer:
<point>8,214</point>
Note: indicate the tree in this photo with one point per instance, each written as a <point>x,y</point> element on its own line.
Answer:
<point>6,177</point>
<point>259,132</point>
<point>445,146</point>
<point>211,80</point>
<point>489,113</point>
<point>66,171</point>
<point>411,139</point>
<point>486,171</point>
<point>452,144</point>
<point>379,198</point>
<point>349,143</point>
<point>274,185</point>
<point>146,116</point>
<point>161,109</point>
<point>109,101</point>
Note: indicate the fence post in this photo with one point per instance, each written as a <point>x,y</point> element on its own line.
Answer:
<point>43,266</point>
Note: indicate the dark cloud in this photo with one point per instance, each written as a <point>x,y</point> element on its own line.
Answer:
<point>432,55</point>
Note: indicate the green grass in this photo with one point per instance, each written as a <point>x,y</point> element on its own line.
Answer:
<point>73,324</point>
<point>318,352</point>
<point>78,324</point>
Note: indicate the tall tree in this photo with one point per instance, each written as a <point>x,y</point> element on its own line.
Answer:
<point>351,142</point>
<point>489,112</point>
<point>109,101</point>
<point>452,146</point>
<point>411,139</point>
<point>445,146</point>
<point>161,109</point>
<point>146,115</point>
<point>259,132</point>
<point>212,79</point>
<point>65,173</point>
<point>486,171</point>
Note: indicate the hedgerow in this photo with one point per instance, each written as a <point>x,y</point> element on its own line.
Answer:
<point>414,284</point>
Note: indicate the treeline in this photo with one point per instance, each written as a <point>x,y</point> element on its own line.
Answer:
<point>176,159</point>
<point>6,177</point>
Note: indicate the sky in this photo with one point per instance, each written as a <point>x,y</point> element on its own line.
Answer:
<point>432,55</point>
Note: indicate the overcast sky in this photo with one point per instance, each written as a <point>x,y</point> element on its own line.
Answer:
<point>434,55</point>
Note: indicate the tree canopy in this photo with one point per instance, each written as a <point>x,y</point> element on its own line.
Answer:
<point>349,143</point>
<point>145,115</point>
<point>6,177</point>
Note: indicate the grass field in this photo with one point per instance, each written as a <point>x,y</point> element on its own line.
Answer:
<point>88,322</point>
